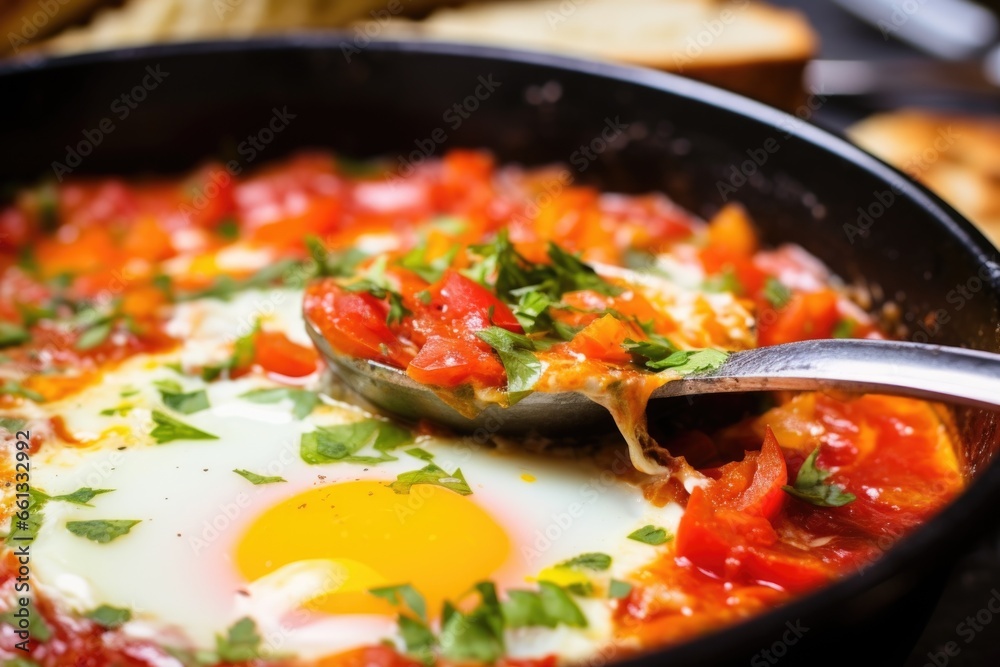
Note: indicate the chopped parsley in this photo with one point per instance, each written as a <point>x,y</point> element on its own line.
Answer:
<point>476,636</point>
<point>168,429</point>
<point>13,334</point>
<point>430,270</point>
<point>37,628</point>
<point>810,485</point>
<point>618,589</point>
<point>109,617</point>
<point>27,530</point>
<point>652,535</point>
<point>341,444</point>
<point>434,475</point>
<point>256,479</point>
<point>241,643</point>
<point>844,328</point>
<point>588,561</point>
<point>337,264</point>
<point>776,293</point>
<point>244,351</point>
<point>12,388</point>
<point>727,281</point>
<point>12,424</point>
<point>228,229</point>
<point>660,354</point>
<point>303,400</point>
<point>535,288</point>
<point>102,531</point>
<point>403,594</point>
<point>549,607</point>
<point>397,311</point>
<point>81,496</point>
<point>516,352</point>
<point>417,636</point>
<point>225,287</point>
<point>119,410</point>
<point>175,398</point>
<point>419,453</point>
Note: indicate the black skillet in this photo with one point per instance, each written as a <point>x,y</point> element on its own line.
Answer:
<point>869,223</point>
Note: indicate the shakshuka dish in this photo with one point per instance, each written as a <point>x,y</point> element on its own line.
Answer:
<point>186,484</point>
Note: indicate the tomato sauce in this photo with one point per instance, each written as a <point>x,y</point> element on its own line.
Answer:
<point>506,281</point>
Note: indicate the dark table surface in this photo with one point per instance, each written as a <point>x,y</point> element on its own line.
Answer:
<point>962,630</point>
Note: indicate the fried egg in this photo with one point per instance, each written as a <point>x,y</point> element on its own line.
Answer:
<point>299,555</point>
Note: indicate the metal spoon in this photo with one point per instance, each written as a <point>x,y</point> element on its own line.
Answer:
<point>934,372</point>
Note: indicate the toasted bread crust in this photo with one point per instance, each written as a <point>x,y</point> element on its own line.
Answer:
<point>956,156</point>
<point>747,47</point>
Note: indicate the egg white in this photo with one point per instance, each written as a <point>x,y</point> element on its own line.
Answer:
<point>175,569</point>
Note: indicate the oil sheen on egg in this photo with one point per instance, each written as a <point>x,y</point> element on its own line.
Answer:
<point>298,556</point>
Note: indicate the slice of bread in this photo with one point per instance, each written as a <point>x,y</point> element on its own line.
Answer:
<point>956,156</point>
<point>24,22</point>
<point>743,45</point>
<point>144,21</point>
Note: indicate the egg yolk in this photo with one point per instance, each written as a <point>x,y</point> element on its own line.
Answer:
<point>369,536</point>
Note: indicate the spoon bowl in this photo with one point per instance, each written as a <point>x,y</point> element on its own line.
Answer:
<point>933,372</point>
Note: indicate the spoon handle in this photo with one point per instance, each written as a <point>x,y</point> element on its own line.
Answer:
<point>932,372</point>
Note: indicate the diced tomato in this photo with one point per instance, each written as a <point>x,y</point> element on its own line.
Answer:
<point>740,547</point>
<point>319,216</point>
<point>732,242</point>
<point>753,485</point>
<point>602,340</point>
<point>368,656</point>
<point>468,301</point>
<point>208,196</point>
<point>545,661</point>
<point>450,362</point>
<point>277,354</point>
<point>91,250</point>
<point>354,323</point>
<point>807,316</point>
<point>726,529</point>
<point>732,232</point>
<point>146,239</point>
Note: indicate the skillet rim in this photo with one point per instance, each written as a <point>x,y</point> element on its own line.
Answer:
<point>935,537</point>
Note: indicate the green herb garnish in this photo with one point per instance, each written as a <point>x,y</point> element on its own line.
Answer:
<point>776,293</point>
<point>109,617</point>
<point>516,353</point>
<point>175,398</point>
<point>333,444</point>
<point>810,485</point>
<point>168,429</point>
<point>303,400</point>
<point>652,535</point>
<point>256,479</point>
<point>434,475</point>
<point>102,531</point>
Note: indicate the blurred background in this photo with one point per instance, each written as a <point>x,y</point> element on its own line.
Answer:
<point>917,82</point>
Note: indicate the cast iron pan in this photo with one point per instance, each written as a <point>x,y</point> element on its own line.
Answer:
<point>694,142</point>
